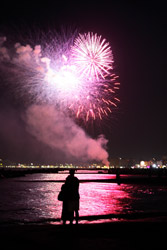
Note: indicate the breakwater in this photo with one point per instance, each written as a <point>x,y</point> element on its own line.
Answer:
<point>124,176</point>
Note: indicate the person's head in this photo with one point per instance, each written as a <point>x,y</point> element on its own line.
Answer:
<point>63,187</point>
<point>72,172</point>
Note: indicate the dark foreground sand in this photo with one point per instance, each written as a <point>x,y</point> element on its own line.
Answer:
<point>114,235</point>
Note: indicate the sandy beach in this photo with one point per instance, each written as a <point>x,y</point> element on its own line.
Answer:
<point>114,235</point>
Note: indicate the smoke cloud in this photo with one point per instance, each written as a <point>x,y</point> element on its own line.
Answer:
<point>56,130</point>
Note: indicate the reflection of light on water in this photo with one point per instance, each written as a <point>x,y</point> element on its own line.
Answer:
<point>102,198</point>
<point>50,206</point>
<point>82,176</point>
<point>27,200</point>
<point>95,199</point>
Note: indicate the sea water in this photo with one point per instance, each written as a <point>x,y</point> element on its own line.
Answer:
<point>33,199</point>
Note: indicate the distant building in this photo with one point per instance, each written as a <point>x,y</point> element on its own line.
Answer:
<point>164,160</point>
<point>1,163</point>
<point>122,162</point>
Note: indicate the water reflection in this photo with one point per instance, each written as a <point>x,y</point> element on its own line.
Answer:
<point>103,198</point>
<point>37,201</point>
<point>96,199</point>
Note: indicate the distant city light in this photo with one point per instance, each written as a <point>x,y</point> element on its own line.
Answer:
<point>142,164</point>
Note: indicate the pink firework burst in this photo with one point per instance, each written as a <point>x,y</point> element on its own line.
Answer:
<point>92,56</point>
<point>97,99</point>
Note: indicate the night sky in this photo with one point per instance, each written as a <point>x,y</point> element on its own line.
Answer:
<point>136,31</point>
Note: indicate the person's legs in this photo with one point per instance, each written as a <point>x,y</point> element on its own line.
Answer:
<point>76,216</point>
<point>71,217</point>
<point>64,222</point>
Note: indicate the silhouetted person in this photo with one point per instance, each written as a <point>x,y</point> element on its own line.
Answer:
<point>72,192</point>
<point>66,214</point>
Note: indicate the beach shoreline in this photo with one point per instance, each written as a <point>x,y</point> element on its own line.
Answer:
<point>113,235</point>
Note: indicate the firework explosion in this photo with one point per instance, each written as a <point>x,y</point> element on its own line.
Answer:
<point>92,56</point>
<point>75,74</point>
<point>84,82</point>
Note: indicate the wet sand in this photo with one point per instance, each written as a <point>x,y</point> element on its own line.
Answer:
<point>114,235</point>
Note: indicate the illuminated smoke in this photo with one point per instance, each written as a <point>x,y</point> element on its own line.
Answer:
<point>59,132</point>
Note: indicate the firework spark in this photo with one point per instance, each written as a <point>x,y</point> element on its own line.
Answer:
<point>96,101</point>
<point>92,56</point>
